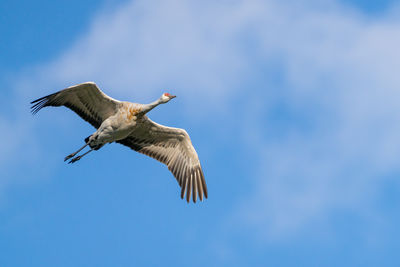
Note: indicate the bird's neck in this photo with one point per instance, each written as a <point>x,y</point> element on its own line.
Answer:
<point>148,107</point>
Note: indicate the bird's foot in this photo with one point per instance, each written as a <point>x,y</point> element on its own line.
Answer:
<point>74,159</point>
<point>69,156</point>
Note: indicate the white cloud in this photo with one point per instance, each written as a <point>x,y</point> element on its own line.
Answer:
<point>331,69</point>
<point>341,83</point>
<point>19,151</point>
<point>144,47</point>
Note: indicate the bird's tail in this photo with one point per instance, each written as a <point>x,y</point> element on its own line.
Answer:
<point>94,146</point>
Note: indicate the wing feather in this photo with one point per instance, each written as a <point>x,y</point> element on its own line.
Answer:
<point>194,189</point>
<point>85,99</point>
<point>200,187</point>
<point>188,187</point>
<point>173,147</point>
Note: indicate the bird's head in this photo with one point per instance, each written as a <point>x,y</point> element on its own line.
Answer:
<point>166,97</point>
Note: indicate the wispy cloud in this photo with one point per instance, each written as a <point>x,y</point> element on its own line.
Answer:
<point>338,94</point>
<point>152,47</point>
<point>312,86</point>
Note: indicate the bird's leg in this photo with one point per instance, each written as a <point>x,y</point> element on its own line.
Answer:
<point>73,154</point>
<point>79,157</point>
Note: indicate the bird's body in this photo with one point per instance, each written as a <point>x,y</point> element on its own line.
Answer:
<point>126,123</point>
<point>118,126</point>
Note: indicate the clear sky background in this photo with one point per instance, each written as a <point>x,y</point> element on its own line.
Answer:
<point>293,107</point>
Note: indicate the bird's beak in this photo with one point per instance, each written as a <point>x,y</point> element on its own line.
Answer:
<point>172,96</point>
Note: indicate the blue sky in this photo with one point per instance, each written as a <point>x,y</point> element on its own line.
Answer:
<point>291,105</point>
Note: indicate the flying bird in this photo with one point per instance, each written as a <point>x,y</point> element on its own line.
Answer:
<point>126,123</point>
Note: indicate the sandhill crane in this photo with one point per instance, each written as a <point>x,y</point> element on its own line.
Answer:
<point>126,123</point>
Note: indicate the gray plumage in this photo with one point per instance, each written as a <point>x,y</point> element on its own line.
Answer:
<point>126,123</point>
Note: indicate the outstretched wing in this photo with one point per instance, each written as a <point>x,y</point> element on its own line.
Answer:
<point>171,146</point>
<point>86,99</point>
